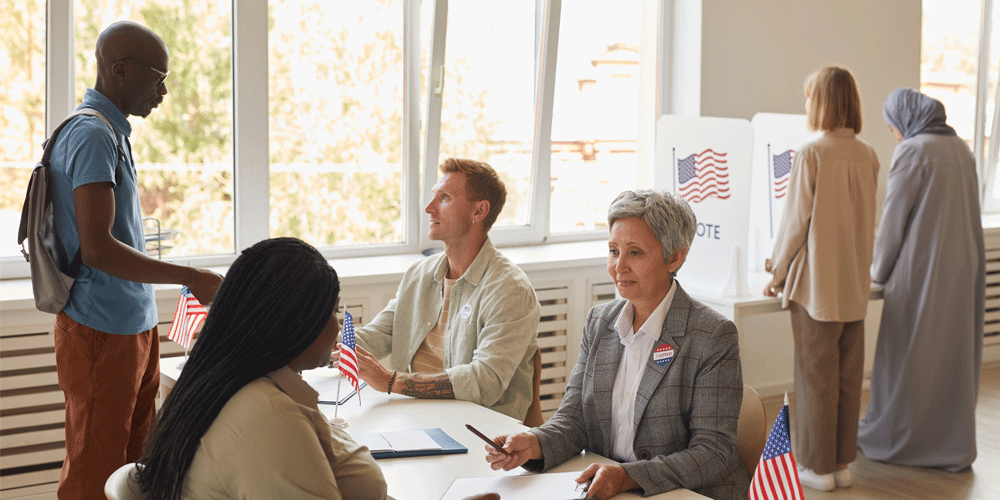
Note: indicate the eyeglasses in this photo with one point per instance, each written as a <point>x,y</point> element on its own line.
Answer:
<point>163,76</point>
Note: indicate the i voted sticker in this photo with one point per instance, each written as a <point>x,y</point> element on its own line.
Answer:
<point>663,354</point>
<point>466,311</point>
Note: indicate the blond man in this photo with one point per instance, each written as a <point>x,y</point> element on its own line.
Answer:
<point>463,324</point>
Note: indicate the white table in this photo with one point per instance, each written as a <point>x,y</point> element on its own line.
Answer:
<point>429,477</point>
<point>426,478</point>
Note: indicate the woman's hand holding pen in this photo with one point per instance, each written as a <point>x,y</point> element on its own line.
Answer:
<point>606,480</point>
<point>519,447</point>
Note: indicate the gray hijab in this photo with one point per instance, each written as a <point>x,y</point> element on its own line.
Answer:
<point>914,113</point>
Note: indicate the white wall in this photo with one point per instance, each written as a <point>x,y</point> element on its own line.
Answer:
<point>755,55</point>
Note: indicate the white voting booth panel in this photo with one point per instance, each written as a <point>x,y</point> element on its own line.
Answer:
<point>709,166</point>
<point>776,138</point>
<point>735,175</point>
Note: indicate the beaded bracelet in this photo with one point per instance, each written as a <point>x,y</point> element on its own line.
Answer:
<point>391,380</point>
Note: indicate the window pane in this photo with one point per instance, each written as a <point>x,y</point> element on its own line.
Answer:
<point>184,148</point>
<point>336,100</point>
<point>948,59</point>
<point>22,110</point>
<point>595,115</point>
<point>487,110</point>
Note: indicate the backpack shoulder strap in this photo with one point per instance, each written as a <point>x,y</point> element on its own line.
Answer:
<point>50,142</point>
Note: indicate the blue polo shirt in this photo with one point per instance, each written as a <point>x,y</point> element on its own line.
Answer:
<point>84,153</point>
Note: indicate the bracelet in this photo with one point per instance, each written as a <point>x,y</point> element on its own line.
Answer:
<point>391,380</point>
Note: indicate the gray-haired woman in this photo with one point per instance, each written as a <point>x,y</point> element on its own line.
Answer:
<point>929,253</point>
<point>658,383</point>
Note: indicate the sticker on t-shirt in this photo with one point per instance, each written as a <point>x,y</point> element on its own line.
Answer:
<point>466,311</point>
<point>663,354</point>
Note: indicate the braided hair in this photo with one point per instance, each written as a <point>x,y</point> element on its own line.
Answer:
<point>275,300</point>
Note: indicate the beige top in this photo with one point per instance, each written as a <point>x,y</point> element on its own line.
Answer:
<point>271,441</point>
<point>823,250</point>
<point>429,357</point>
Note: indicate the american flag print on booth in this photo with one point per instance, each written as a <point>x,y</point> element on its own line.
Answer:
<point>189,315</point>
<point>348,353</point>
<point>782,168</point>
<point>777,477</point>
<point>703,175</point>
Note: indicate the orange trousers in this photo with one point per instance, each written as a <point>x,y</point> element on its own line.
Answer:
<point>110,383</point>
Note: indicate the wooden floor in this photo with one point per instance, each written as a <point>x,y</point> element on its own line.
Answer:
<point>877,481</point>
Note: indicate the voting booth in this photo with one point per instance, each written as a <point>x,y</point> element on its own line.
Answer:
<point>708,163</point>
<point>776,137</point>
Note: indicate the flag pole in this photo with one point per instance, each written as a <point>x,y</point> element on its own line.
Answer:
<point>770,191</point>
<point>673,166</point>
<point>337,421</point>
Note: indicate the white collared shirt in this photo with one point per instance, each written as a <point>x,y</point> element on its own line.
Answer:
<point>638,349</point>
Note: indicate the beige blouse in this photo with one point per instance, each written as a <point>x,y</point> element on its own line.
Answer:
<point>271,441</point>
<point>823,250</point>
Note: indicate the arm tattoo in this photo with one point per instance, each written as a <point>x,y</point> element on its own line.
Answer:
<point>421,385</point>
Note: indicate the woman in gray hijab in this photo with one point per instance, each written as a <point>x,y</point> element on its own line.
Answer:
<point>929,254</point>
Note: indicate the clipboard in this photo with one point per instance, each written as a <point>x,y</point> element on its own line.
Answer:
<point>447,443</point>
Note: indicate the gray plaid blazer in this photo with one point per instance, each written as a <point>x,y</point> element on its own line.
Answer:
<point>687,411</point>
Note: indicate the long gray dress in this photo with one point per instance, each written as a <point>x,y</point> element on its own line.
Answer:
<point>929,253</point>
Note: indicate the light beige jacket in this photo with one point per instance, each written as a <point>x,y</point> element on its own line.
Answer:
<point>490,340</point>
<point>823,250</point>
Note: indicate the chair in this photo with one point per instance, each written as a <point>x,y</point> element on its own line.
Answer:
<point>122,484</point>
<point>534,416</point>
<point>751,435</point>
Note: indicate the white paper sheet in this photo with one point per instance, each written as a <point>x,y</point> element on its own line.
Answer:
<point>550,486</point>
<point>397,441</point>
<point>410,441</point>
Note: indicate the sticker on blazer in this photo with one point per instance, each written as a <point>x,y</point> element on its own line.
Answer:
<point>466,311</point>
<point>663,354</point>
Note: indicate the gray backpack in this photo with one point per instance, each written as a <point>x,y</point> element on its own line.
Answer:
<point>49,283</point>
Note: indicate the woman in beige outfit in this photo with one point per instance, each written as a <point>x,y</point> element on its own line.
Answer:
<point>821,263</point>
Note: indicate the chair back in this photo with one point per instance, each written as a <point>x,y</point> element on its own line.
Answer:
<point>751,436</point>
<point>122,484</point>
<point>534,416</point>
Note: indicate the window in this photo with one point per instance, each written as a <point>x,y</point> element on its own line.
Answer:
<point>948,55</point>
<point>960,63</point>
<point>22,111</point>
<point>595,118</point>
<point>183,150</point>
<point>326,120</point>
<point>335,121</point>
<point>487,110</point>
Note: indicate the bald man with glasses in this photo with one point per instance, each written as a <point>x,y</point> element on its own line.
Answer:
<point>106,339</point>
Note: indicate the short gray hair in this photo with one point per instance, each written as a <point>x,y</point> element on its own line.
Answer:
<point>667,215</point>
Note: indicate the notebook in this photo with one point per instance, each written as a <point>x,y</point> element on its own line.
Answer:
<point>414,443</point>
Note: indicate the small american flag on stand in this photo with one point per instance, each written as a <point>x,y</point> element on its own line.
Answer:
<point>777,476</point>
<point>348,355</point>
<point>190,313</point>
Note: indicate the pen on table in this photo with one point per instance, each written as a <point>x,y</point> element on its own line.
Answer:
<point>488,440</point>
<point>584,487</point>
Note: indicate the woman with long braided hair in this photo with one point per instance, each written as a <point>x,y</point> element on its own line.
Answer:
<point>240,421</point>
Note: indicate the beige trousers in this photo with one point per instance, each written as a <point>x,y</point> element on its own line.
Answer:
<point>829,367</point>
